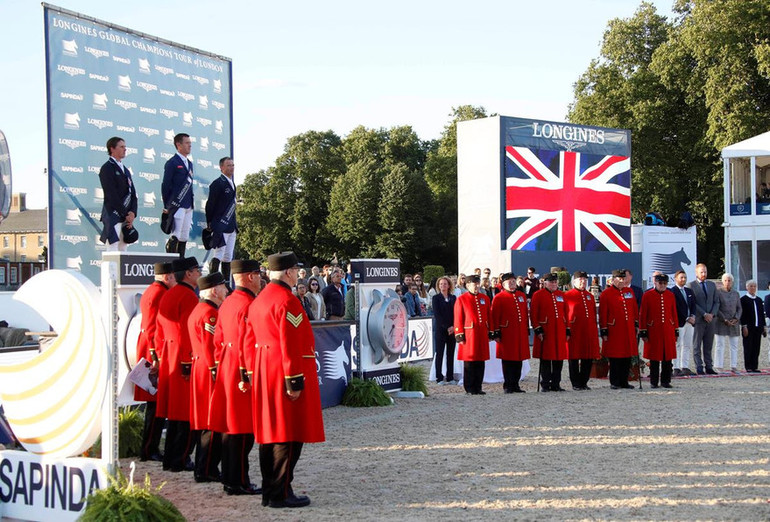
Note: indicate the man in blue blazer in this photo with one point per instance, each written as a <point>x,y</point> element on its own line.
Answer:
<point>119,205</point>
<point>706,308</point>
<point>220,217</point>
<point>685,311</point>
<point>177,192</point>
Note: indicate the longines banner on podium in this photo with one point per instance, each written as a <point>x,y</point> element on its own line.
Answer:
<point>104,81</point>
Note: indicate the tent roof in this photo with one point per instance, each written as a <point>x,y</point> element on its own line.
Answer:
<point>756,146</point>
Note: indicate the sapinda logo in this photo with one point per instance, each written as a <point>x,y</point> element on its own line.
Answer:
<point>53,402</point>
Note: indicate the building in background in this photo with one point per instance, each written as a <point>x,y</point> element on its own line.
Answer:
<point>23,243</point>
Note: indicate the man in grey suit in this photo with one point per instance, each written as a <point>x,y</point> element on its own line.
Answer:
<point>706,307</point>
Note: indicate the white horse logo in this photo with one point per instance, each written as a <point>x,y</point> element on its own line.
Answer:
<point>332,363</point>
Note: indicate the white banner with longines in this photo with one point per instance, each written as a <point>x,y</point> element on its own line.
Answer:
<point>104,81</point>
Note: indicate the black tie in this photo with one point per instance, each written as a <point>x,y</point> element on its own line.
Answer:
<point>705,294</point>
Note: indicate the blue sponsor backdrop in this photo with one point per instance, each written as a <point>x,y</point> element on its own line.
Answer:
<point>105,81</point>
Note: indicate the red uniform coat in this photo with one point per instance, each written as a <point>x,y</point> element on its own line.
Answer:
<point>283,349</point>
<point>658,317</point>
<point>230,407</point>
<point>581,318</point>
<point>175,308</point>
<point>547,310</point>
<point>618,314</point>
<point>511,317</point>
<point>201,326</point>
<point>148,305</point>
<point>472,319</point>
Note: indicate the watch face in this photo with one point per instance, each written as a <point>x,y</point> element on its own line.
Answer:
<point>394,326</point>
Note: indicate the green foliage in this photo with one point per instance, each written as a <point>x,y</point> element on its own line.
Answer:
<point>564,279</point>
<point>413,378</point>
<point>130,426</point>
<point>431,271</point>
<point>124,502</point>
<point>363,394</point>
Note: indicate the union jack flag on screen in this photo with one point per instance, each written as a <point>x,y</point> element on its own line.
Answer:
<point>567,201</point>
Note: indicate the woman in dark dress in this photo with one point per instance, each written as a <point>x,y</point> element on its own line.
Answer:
<point>443,330</point>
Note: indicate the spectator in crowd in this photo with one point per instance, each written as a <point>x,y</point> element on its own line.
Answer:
<point>596,287</point>
<point>487,274</point>
<point>477,271</point>
<point>315,273</point>
<point>685,311</point>
<point>460,288</point>
<point>728,328</point>
<point>305,300</point>
<point>413,305</point>
<point>406,283</point>
<point>495,285</point>
<point>422,292</point>
<point>443,304</point>
<point>752,326</point>
<point>302,274</point>
<point>432,288</point>
<point>326,273</point>
<point>706,308</point>
<point>520,282</point>
<point>350,304</point>
<point>767,301</point>
<point>486,287</point>
<point>334,298</point>
<point>317,305</point>
<point>532,283</point>
<point>418,279</point>
<point>400,293</point>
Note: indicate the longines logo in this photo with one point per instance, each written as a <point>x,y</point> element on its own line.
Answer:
<point>149,131</point>
<point>150,220</point>
<point>168,113</point>
<point>95,262</point>
<point>71,96</point>
<point>99,124</point>
<point>164,70</point>
<point>201,80</point>
<point>204,163</point>
<point>95,215</point>
<point>94,169</point>
<point>217,86</point>
<point>71,169</point>
<point>165,156</point>
<point>125,104</point>
<point>73,144</point>
<point>72,71</point>
<point>557,131</point>
<point>144,66</point>
<point>74,191</point>
<point>203,121</point>
<point>72,239</point>
<point>96,53</point>
<point>147,86</point>
<point>186,96</point>
<point>69,48</point>
<point>131,150</point>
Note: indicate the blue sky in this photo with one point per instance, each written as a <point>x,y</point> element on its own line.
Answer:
<point>300,66</point>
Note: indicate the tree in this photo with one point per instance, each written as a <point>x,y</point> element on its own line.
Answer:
<point>441,177</point>
<point>286,207</point>
<point>673,167</point>
<point>403,217</point>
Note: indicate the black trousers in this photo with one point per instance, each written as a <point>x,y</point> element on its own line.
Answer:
<point>153,429</point>
<point>235,459</point>
<point>751,345</point>
<point>580,372</point>
<point>208,453</point>
<point>178,445</point>
<point>511,375</point>
<point>665,374</point>
<point>619,367</point>
<point>442,340</point>
<point>550,374</point>
<point>473,376</point>
<point>277,462</point>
